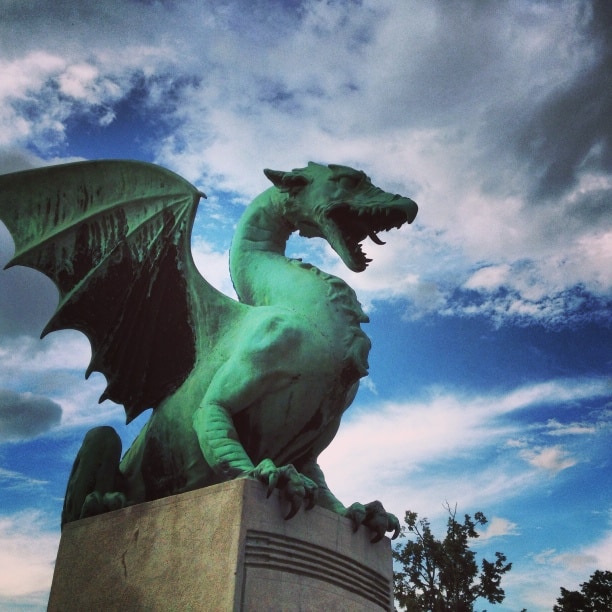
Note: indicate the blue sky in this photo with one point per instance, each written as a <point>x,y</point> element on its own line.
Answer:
<point>490,380</point>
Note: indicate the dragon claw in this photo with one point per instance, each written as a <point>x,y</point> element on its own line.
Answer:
<point>272,483</point>
<point>374,517</point>
<point>296,488</point>
<point>395,525</point>
<point>97,503</point>
<point>296,503</point>
<point>357,513</point>
<point>311,499</point>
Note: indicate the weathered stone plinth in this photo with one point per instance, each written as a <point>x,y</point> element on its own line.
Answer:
<point>223,548</point>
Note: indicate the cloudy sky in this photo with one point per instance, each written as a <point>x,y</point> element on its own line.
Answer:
<point>490,378</point>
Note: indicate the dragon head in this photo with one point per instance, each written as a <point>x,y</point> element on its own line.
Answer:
<point>342,206</point>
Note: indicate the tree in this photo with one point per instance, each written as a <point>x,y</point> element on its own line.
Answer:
<point>594,595</point>
<point>442,575</point>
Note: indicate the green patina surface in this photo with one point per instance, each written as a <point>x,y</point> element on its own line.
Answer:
<point>249,388</point>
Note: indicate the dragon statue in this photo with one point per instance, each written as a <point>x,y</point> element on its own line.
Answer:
<point>250,388</point>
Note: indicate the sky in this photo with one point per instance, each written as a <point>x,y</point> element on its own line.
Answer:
<point>489,383</point>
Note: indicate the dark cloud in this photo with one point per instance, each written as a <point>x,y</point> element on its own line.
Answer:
<point>570,130</point>
<point>27,297</point>
<point>30,22</point>
<point>91,25</point>
<point>591,210</point>
<point>24,416</point>
<point>27,301</point>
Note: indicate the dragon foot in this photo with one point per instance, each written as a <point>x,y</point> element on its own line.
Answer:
<point>96,503</point>
<point>375,517</point>
<point>95,477</point>
<point>296,488</point>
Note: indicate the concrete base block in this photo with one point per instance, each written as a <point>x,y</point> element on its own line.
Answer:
<point>220,548</point>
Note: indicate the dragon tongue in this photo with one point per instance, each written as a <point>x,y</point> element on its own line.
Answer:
<point>374,238</point>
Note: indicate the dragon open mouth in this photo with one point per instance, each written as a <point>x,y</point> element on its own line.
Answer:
<point>354,225</point>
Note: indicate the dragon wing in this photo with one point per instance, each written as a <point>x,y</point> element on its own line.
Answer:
<point>114,236</point>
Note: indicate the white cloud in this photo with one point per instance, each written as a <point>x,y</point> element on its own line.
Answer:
<point>552,458</point>
<point>27,556</point>
<point>214,266</point>
<point>25,76</point>
<point>77,82</point>
<point>555,428</point>
<point>64,350</point>
<point>14,480</point>
<point>384,449</point>
<point>498,527</point>
<point>488,278</point>
<point>22,81</point>
<point>600,552</point>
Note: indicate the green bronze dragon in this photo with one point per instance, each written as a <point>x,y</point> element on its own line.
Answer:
<point>249,388</point>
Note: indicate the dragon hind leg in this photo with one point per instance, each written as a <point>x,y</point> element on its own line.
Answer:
<point>95,477</point>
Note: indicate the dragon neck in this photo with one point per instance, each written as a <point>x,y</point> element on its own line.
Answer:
<point>264,276</point>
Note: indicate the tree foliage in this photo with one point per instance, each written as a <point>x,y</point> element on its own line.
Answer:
<point>442,575</point>
<point>594,595</point>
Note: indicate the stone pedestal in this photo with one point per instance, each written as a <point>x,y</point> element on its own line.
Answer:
<point>223,548</point>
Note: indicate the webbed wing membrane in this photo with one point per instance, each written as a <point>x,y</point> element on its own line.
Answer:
<point>114,236</point>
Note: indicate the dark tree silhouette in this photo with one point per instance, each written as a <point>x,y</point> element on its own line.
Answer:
<point>442,575</point>
<point>594,595</point>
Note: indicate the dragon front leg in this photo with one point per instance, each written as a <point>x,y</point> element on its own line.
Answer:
<point>93,483</point>
<point>219,441</point>
<point>257,371</point>
<point>224,452</point>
